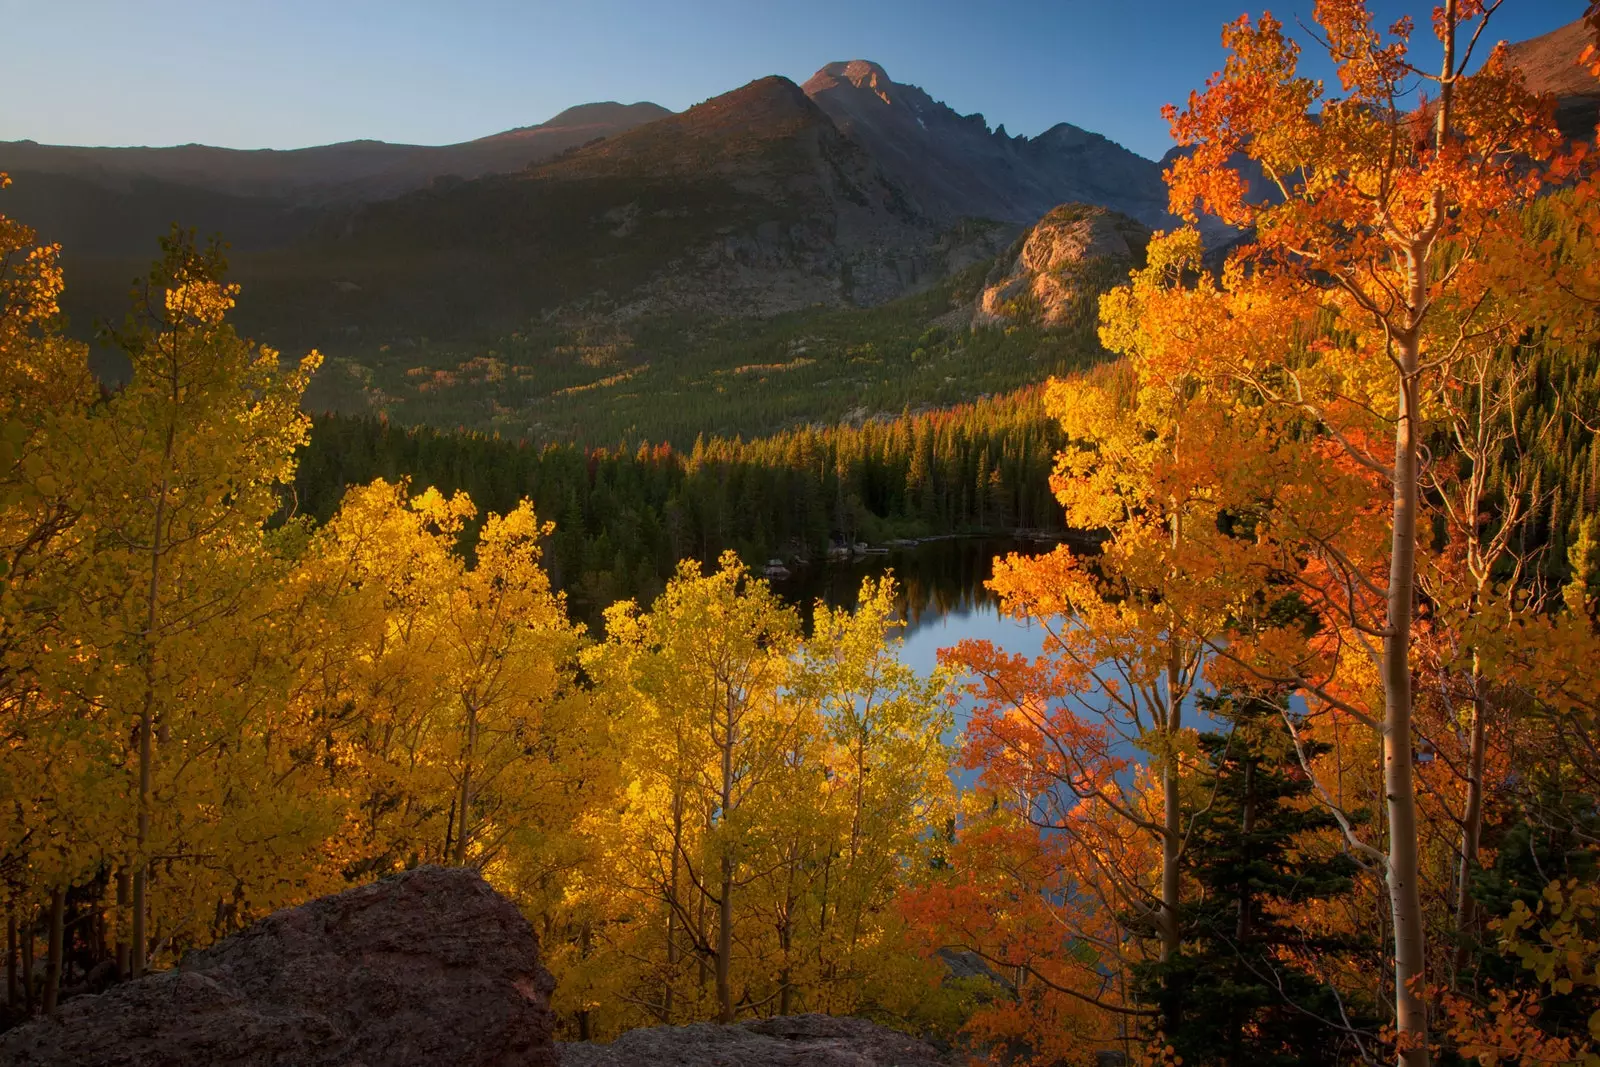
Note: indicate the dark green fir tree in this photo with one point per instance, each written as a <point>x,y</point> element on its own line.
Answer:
<point>1234,994</point>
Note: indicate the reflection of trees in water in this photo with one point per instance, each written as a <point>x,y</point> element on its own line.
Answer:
<point>937,578</point>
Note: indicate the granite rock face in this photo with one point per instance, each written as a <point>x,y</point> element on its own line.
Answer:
<point>426,967</point>
<point>1062,265</point>
<point>787,1041</point>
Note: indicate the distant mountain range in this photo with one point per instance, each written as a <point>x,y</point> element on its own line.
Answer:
<point>849,190</point>
<point>350,170</point>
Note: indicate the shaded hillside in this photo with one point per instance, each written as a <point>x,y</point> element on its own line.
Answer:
<point>670,378</point>
<point>955,166</point>
<point>752,203</point>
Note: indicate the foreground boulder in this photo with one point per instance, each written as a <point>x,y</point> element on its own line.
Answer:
<point>427,967</point>
<point>788,1041</point>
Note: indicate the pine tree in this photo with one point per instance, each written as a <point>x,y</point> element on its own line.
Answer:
<point>1242,990</point>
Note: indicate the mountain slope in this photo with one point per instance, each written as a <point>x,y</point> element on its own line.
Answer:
<point>954,165</point>
<point>1550,64</point>
<point>751,203</point>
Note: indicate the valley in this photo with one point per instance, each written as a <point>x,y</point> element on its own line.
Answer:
<point>766,259</point>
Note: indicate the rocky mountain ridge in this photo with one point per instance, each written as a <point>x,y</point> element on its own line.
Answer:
<point>850,190</point>
<point>750,204</point>
<point>1550,64</point>
<point>955,166</point>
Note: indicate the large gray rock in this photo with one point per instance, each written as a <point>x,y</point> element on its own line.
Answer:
<point>788,1041</point>
<point>427,967</point>
<point>1062,265</point>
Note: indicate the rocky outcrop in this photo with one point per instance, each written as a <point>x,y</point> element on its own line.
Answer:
<point>788,1041</point>
<point>429,967</point>
<point>1061,266</point>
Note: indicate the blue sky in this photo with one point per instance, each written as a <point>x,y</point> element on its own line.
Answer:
<point>288,73</point>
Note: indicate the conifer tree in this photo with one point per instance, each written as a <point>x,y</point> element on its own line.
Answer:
<point>1244,989</point>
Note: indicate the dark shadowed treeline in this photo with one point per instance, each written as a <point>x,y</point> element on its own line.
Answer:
<point>624,517</point>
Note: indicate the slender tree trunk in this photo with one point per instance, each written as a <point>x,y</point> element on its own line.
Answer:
<point>1171,943</point>
<point>584,940</point>
<point>27,967</point>
<point>1171,852</point>
<point>786,942</point>
<point>449,830</point>
<point>11,958</point>
<point>464,799</point>
<point>141,872</point>
<point>1405,902</point>
<point>703,973</point>
<point>725,901</point>
<point>672,907</point>
<point>1170,836</point>
<point>1172,824</point>
<point>1471,828</point>
<point>54,966</point>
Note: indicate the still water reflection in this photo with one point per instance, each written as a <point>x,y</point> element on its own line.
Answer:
<point>943,597</point>
<point>939,580</point>
<point>944,601</point>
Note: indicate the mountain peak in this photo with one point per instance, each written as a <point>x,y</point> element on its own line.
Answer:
<point>608,111</point>
<point>863,74</point>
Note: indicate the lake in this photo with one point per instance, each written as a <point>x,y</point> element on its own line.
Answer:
<point>944,601</point>
<point>942,596</point>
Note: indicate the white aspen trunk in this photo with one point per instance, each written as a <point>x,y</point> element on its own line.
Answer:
<point>672,907</point>
<point>1405,901</point>
<point>1172,825</point>
<point>138,936</point>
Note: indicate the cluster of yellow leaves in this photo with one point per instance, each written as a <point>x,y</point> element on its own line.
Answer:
<point>1558,942</point>
<point>208,710</point>
<point>778,794</point>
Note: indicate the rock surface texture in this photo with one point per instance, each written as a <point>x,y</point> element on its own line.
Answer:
<point>427,967</point>
<point>1062,265</point>
<point>789,1041</point>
